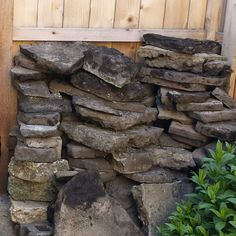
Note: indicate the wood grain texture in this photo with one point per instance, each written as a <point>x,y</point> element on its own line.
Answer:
<point>25,13</point>
<point>76,13</point>
<point>8,98</point>
<point>152,14</point>
<point>50,13</point>
<point>102,13</point>
<point>176,14</point>
<point>197,14</point>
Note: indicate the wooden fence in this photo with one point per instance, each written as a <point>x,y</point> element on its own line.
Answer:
<point>113,23</point>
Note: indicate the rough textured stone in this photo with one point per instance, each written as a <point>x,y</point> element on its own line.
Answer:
<point>217,68</point>
<point>162,58</point>
<point>183,77</point>
<point>36,229</point>
<point>157,201</point>
<point>110,65</point>
<point>57,57</point>
<point>43,142</point>
<point>132,92</point>
<point>33,88</point>
<point>120,189</point>
<point>36,105</point>
<point>39,131</point>
<point>22,190</point>
<point>225,131</point>
<point>224,98</point>
<point>63,176</point>
<point>84,209</point>
<point>36,172</point>
<point>141,160</point>
<point>209,105</point>
<point>6,226</point>
<point>23,74</point>
<point>125,121</point>
<point>181,117</point>
<point>39,155</point>
<point>214,116</point>
<point>39,118</point>
<point>188,46</point>
<point>158,175</point>
<point>186,131</point>
<point>76,150</point>
<point>186,97</point>
<point>28,212</point>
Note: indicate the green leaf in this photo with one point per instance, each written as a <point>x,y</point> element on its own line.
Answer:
<point>232,200</point>
<point>233,223</point>
<point>220,225</point>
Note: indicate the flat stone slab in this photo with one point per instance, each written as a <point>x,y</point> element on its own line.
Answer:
<point>222,96</point>
<point>157,201</point>
<point>28,212</point>
<point>184,77</point>
<point>209,105</point>
<point>124,121</point>
<point>78,151</point>
<point>214,116</point>
<point>186,131</point>
<point>38,155</point>
<point>186,97</point>
<point>217,68</point>
<point>64,176</point>
<point>36,172</point>
<point>43,142</point>
<point>24,74</point>
<point>57,57</point>
<point>38,131</point>
<point>132,92</point>
<point>83,206</point>
<point>188,46</point>
<point>157,176</point>
<point>142,160</point>
<point>225,131</point>
<point>38,105</point>
<point>22,190</point>
<point>110,65</point>
<point>48,119</point>
<point>162,58</point>
<point>179,116</point>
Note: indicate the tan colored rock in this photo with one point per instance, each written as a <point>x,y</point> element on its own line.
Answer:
<point>43,142</point>
<point>28,212</point>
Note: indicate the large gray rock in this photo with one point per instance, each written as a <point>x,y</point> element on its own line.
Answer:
<point>79,151</point>
<point>217,68</point>
<point>158,176</point>
<point>188,46</point>
<point>110,65</point>
<point>38,155</point>
<point>50,119</point>
<point>23,190</point>
<point>157,201</point>
<point>132,92</point>
<point>84,209</point>
<point>124,121</point>
<point>36,105</point>
<point>23,74</point>
<point>57,57</point>
<point>36,172</point>
<point>27,212</point>
<point>142,160</point>
<point>225,131</point>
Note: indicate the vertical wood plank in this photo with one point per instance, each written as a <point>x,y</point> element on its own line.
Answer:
<point>7,101</point>
<point>197,14</point>
<point>152,14</point>
<point>176,14</point>
<point>50,13</point>
<point>25,13</point>
<point>102,13</point>
<point>76,13</point>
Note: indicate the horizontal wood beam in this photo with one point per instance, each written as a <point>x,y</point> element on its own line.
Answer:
<point>97,34</point>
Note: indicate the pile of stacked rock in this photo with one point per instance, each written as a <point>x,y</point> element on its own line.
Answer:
<point>85,108</point>
<point>192,79</point>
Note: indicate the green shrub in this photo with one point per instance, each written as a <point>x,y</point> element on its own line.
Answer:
<point>211,209</point>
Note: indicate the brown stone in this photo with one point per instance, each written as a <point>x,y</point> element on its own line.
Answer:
<point>209,105</point>
<point>217,68</point>
<point>186,131</point>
